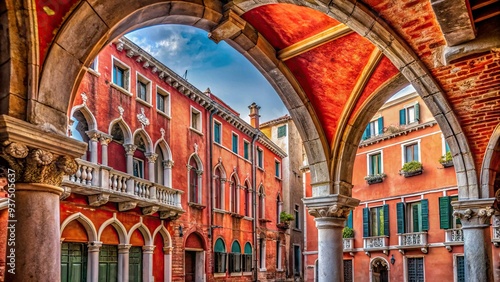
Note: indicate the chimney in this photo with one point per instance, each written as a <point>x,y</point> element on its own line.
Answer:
<point>254,115</point>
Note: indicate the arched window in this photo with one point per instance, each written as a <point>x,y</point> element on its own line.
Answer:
<point>262,202</point>
<point>220,256</point>
<point>235,258</point>
<point>159,171</point>
<point>218,191</point>
<point>247,258</point>
<point>279,208</point>
<point>139,156</point>
<point>194,185</point>
<point>234,194</point>
<point>247,200</point>
<point>78,129</point>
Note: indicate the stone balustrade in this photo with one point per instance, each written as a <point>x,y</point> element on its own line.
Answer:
<point>454,236</point>
<point>92,179</point>
<point>348,244</point>
<point>416,240</point>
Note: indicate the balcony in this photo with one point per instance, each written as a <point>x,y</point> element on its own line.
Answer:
<point>496,236</point>
<point>102,184</point>
<point>453,237</point>
<point>348,245</point>
<point>376,243</point>
<point>417,240</point>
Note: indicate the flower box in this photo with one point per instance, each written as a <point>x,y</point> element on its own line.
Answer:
<point>412,173</point>
<point>375,178</point>
<point>447,164</point>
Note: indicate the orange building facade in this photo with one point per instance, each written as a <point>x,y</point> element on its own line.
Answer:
<point>175,186</point>
<point>404,229</point>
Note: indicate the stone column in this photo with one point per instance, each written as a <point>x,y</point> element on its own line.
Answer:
<point>475,217</point>
<point>94,136</point>
<point>38,160</point>
<point>93,260</point>
<point>167,263</point>
<point>104,140</point>
<point>123,252</point>
<point>330,214</point>
<point>151,165</point>
<point>167,173</point>
<point>147,258</point>
<point>129,151</point>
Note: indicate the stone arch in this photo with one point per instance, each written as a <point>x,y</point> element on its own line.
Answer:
<point>124,127</point>
<point>234,175</point>
<point>490,168</point>
<point>220,166</point>
<point>163,145</point>
<point>195,234</point>
<point>85,222</point>
<point>119,227</point>
<point>91,120</point>
<point>69,54</point>
<point>148,142</point>
<point>378,263</point>
<point>167,239</point>
<point>148,239</point>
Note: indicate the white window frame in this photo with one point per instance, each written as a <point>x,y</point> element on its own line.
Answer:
<point>141,78</point>
<point>166,101</point>
<point>279,256</point>
<point>368,155</point>
<point>141,163</point>
<point>375,120</point>
<point>276,161</point>
<point>406,107</point>
<point>261,150</point>
<point>237,143</point>
<point>405,266</point>
<point>262,255</point>
<point>126,89</point>
<point>200,121</point>
<point>403,147</point>
<point>249,149</point>
<point>455,277</point>
<point>95,69</point>
<point>220,132</point>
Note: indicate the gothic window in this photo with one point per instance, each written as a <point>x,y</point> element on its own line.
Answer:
<point>234,194</point>
<point>220,256</point>
<point>194,180</point>
<point>218,193</point>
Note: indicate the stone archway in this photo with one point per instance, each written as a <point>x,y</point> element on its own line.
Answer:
<point>379,270</point>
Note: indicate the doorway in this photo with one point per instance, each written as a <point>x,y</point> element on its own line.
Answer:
<point>190,266</point>
<point>379,270</point>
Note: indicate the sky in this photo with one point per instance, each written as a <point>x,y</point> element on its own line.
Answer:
<point>228,74</point>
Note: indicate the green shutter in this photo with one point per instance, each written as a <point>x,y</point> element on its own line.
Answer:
<point>386,220</point>
<point>400,210</point>
<point>402,116</point>
<point>425,215</point>
<point>380,125</point>
<point>236,247</point>
<point>366,134</point>
<point>417,112</point>
<point>416,217</point>
<point>219,246</point>
<point>248,248</point>
<point>135,264</point>
<point>366,222</point>
<point>444,213</point>
<point>349,219</point>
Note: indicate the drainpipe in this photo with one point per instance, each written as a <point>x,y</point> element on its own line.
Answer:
<point>254,201</point>
<point>210,170</point>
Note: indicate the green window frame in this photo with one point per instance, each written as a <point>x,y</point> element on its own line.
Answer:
<point>108,263</point>
<point>376,221</point>
<point>235,143</point>
<point>217,132</point>
<point>235,258</point>
<point>135,264</point>
<point>282,131</point>
<point>413,217</point>
<point>246,149</point>
<point>73,262</point>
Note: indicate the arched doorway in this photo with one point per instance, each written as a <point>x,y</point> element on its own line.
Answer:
<point>379,269</point>
<point>194,258</point>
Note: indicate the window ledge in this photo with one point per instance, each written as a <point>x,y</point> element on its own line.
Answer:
<point>145,103</point>
<point>236,215</point>
<point>121,89</point>
<point>263,269</point>
<point>260,168</point>
<point>196,131</point>
<point>196,205</point>
<point>248,218</point>
<point>280,270</point>
<point>93,72</point>
<point>220,211</point>
<point>247,273</point>
<point>264,220</point>
<point>220,274</point>
<point>163,114</point>
<point>236,274</point>
<point>278,178</point>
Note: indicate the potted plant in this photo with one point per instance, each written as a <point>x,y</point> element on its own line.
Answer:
<point>412,168</point>
<point>285,219</point>
<point>446,160</point>
<point>375,178</point>
<point>347,232</point>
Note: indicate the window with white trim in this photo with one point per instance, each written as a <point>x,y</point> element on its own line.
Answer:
<point>162,101</point>
<point>260,158</point>
<point>375,163</point>
<point>415,269</point>
<point>217,132</point>
<point>374,128</point>
<point>94,65</point>
<point>246,150</point>
<point>409,114</point>
<point>411,152</point>
<point>195,119</point>
<point>235,143</point>
<point>459,268</point>
<point>121,75</point>
<point>138,168</point>
<point>143,90</point>
<point>277,169</point>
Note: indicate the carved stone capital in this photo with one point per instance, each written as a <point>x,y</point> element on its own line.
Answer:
<point>474,213</point>
<point>151,157</point>
<point>98,200</point>
<point>93,135</point>
<point>105,139</point>
<point>124,248</point>
<point>125,206</point>
<point>150,210</point>
<point>168,164</point>
<point>173,215</point>
<point>148,249</point>
<point>167,250</point>
<point>94,246</point>
<point>130,148</point>
<point>335,210</point>
<point>331,206</point>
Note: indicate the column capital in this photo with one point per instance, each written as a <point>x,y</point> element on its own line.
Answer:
<point>148,249</point>
<point>37,155</point>
<point>151,157</point>
<point>168,250</point>
<point>130,148</point>
<point>473,213</point>
<point>105,139</point>
<point>331,206</point>
<point>94,246</point>
<point>93,134</point>
<point>124,248</point>
<point>169,164</point>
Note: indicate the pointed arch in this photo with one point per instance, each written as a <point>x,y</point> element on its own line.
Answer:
<point>119,227</point>
<point>85,222</point>
<point>164,163</point>
<point>148,239</point>
<point>378,265</point>
<point>148,142</point>
<point>167,239</point>
<point>490,168</point>
<point>127,133</point>
<point>163,145</point>
<point>262,201</point>
<point>234,192</point>
<point>195,181</point>
<point>89,116</point>
<point>197,160</point>
<point>247,197</point>
<point>219,179</point>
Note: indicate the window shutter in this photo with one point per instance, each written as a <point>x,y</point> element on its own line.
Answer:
<point>415,152</point>
<point>349,220</point>
<point>400,210</point>
<point>425,215</point>
<point>386,220</point>
<point>417,112</point>
<point>366,134</point>
<point>366,222</point>
<point>402,117</point>
<point>416,218</point>
<point>380,125</point>
<point>447,147</point>
<point>444,212</point>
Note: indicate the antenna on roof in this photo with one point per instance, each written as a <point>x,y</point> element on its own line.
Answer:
<point>185,76</point>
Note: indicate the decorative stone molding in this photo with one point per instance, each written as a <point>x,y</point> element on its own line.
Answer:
<point>331,211</point>
<point>84,98</point>
<point>168,250</point>
<point>93,134</point>
<point>142,118</point>
<point>98,200</point>
<point>129,148</point>
<point>150,210</point>
<point>119,46</point>
<point>121,110</point>
<point>474,213</point>
<point>65,194</point>
<point>148,249</point>
<point>94,246</point>
<point>168,164</point>
<point>173,215</point>
<point>151,157</point>
<point>105,139</point>
<point>125,206</point>
<point>124,248</point>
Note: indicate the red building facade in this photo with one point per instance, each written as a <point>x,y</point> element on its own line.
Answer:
<point>175,186</point>
<point>404,229</point>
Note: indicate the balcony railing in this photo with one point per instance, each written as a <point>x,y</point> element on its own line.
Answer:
<point>453,237</point>
<point>348,244</point>
<point>376,243</point>
<point>413,241</point>
<point>94,179</point>
<point>496,236</point>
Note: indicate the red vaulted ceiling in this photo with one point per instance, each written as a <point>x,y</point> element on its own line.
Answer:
<point>327,73</point>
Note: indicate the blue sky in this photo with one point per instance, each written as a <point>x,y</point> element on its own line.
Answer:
<point>228,74</point>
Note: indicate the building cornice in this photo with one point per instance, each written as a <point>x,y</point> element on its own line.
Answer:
<point>190,91</point>
<point>280,120</point>
<point>404,131</point>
